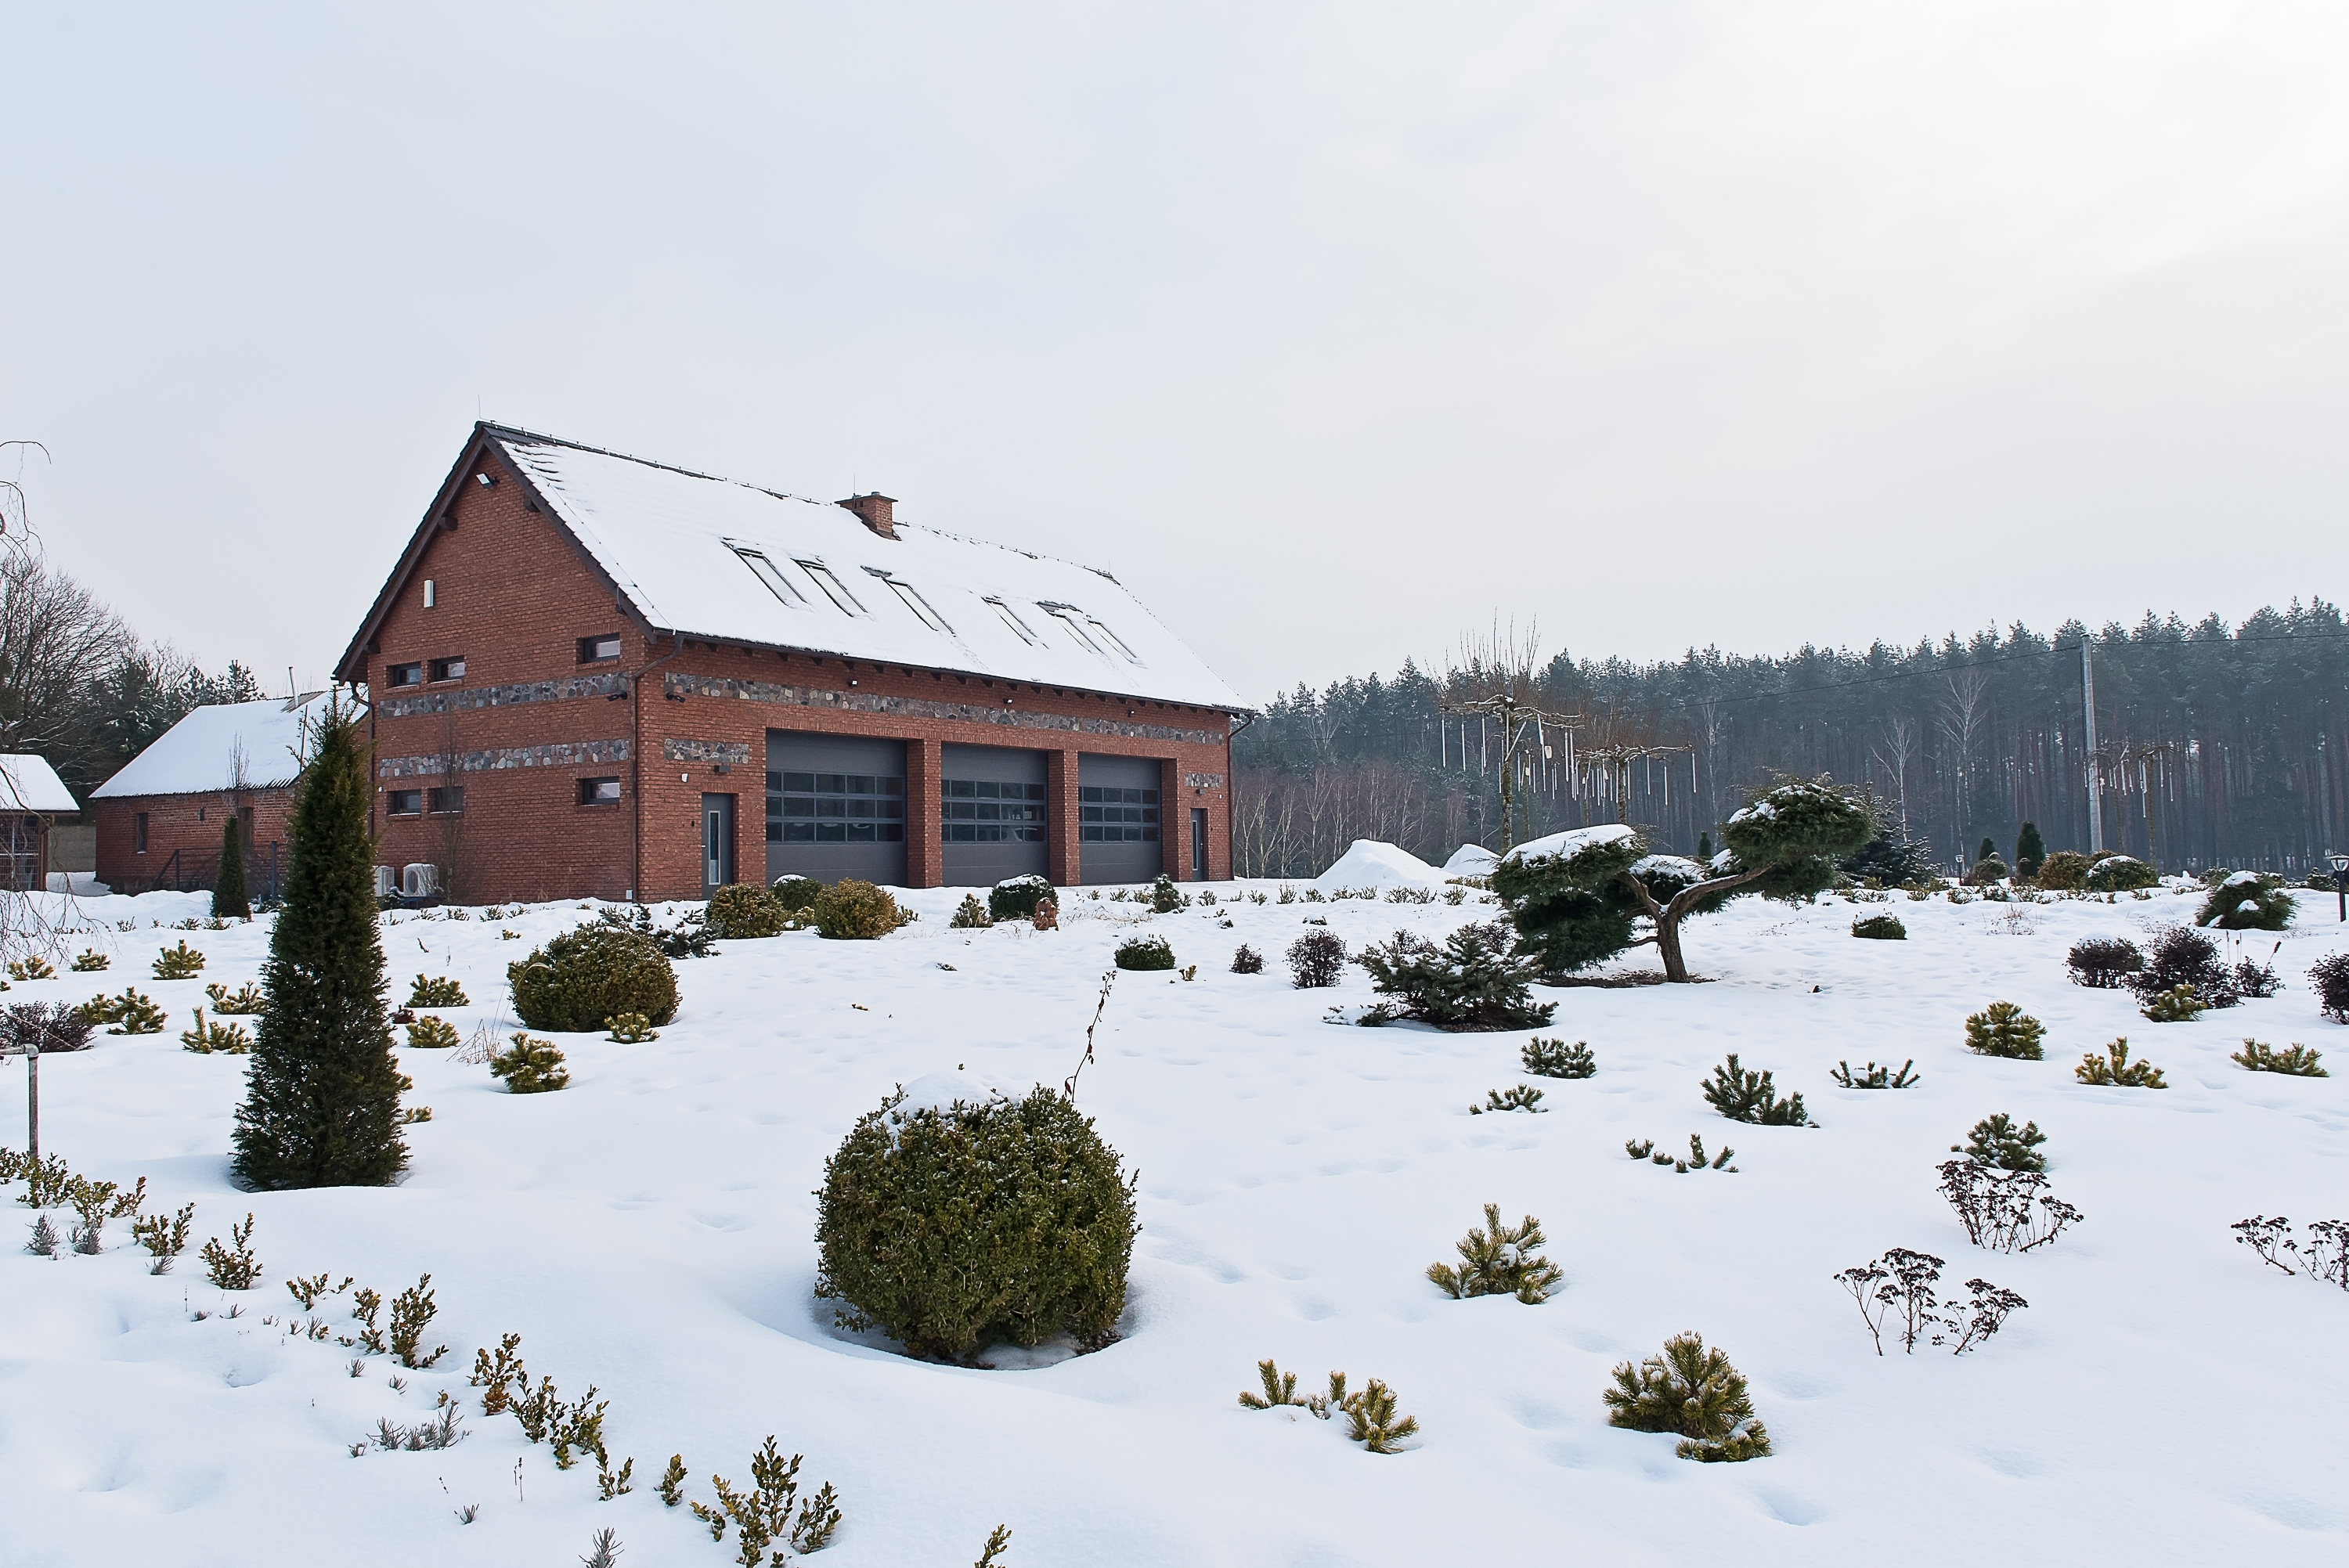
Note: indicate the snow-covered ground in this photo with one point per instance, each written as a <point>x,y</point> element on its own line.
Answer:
<point>2165,1398</point>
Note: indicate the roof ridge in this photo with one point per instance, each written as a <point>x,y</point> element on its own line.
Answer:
<point>517,432</point>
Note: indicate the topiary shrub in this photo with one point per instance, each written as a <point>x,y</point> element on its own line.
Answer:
<point>2329,978</point>
<point>2119,873</point>
<point>588,975</point>
<point>1247,961</point>
<point>1144,953</point>
<point>1879,928</point>
<point>2003,1029</point>
<point>970,915</point>
<point>2182,956</point>
<point>1471,982</point>
<point>741,911</point>
<point>1016,898</point>
<point>2247,900</point>
<point>531,1067</point>
<point>794,893</point>
<point>2104,963</point>
<point>853,911</point>
<point>1695,1392</point>
<point>2065,871</point>
<point>1317,959</point>
<point>954,1229</point>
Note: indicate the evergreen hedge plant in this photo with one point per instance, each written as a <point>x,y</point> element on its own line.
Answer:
<point>742,912</point>
<point>590,973</point>
<point>853,910</point>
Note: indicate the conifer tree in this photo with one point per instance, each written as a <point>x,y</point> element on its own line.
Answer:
<point>2030,850</point>
<point>1989,851</point>
<point>1704,849</point>
<point>322,1099</point>
<point>229,900</point>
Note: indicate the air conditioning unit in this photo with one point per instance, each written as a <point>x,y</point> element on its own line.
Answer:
<point>421,880</point>
<point>387,882</point>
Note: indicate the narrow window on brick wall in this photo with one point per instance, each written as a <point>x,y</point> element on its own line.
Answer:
<point>404,676</point>
<point>446,800</point>
<point>1109,815</point>
<point>983,812</point>
<point>599,791</point>
<point>404,802</point>
<point>835,809</point>
<point>449,669</point>
<point>138,832</point>
<point>593,650</point>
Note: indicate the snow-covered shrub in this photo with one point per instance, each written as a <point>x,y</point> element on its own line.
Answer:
<point>2003,1029</point>
<point>795,894</point>
<point>1016,898</point>
<point>1471,982</point>
<point>435,991</point>
<point>232,1267</point>
<point>2296,1059</point>
<point>690,937</point>
<point>2065,871</point>
<point>429,1033</point>
<point>180,963</point>
<point>531,1067</point>
<point>1695,1392</point>
<point>745,912</point>
<point>2115,1069</point>
<point>2247,900</point>
<point>1988,871</point>
<point>590,973</point>
<point>45,1026</point>
<point>1144,952</point>
<point>956,1228</point>
<point>1997,1142</point>
<point>1556,1058</point>
<point>1879,928</point>
<point>1165,898</point>
<point>853,910</point>
<point>1874,1077</point>
<point>2329,978</point>
<point>1499,1260</point>
<point>1317,958</point>
<point>2178,1005</point>
<point>1518,1097</point>
<point>1247,961</point>
<point>1744,1094</point>
<point>2119,873</point>
<point>2005,1212</point>
<point>1899,1287</point>
<point>2103,962</point>
<point>970,915</point>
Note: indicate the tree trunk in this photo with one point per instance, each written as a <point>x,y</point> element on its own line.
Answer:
<point>1668,945</point>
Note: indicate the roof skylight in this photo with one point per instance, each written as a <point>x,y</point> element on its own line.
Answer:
<point>769,573</point>
<point>833,587</point>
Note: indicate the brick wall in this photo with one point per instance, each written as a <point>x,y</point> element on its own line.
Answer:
<point>190,824</point>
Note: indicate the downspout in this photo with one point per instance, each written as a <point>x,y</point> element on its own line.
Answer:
<point>636,770</point>
<point>1232,794</point>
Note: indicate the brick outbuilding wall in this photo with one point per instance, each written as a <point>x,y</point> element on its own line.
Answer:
<point>190,826</point>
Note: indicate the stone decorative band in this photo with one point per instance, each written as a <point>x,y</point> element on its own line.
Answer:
<point>465,698</point>
<point>571,754</point>
<point>734,752</point>
<point>915,708</point>
<point>1203,781</point>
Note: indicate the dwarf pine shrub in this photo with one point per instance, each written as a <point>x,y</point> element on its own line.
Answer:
<point>1879,928</point>
<point>2003,1029</point>
<point>246,998</point>
<point>853,910</point>
<point>1473,981</point>
<point>91,962</point>
<point>1317,958</point>
<point>232,1267</point>
<point>180,963</point>
<point>2114,1068</point>
<point>2104,963</point>
<point>590,973</point>
<point>2295,1060</point>
<point>1372,1420</point>
<point>954,1229</point>
<point>1695,1392</point>
<point>531,1067</point>
<point>1499,1260</point>
<point>630,1029</point>
<point>435,991</point>
<point>1247,961</point>
<point>1997,1142</point>
<point>2178,1005</point>
<point>2247,900</point>
<point>1741,1094</point>
<point>430,1033</point>
<point>744,911</point>
<point>1016,898</point>
<point>35,967</point>
<point>1874,1077</point>
<point>1518,1097</point>
<point>1556,1058</point>
<point>207,1039</point>
<point>2065,871</point>
<point>1279,1388</point>
<point>970,914</point>
<point>1149,952</point>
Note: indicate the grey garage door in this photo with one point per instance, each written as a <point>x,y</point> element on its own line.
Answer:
<point>835,806</point>
<point>992,819</point>
<point>1118,819</point>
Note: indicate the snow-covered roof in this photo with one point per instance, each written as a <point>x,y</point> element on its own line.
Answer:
<point>28,783</point>
<point>712,558</point>
<point>202,753</point>
<point>1571,842</point>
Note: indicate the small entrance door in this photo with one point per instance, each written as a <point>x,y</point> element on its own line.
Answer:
<point>717,842</point>
<point>1198,843</point>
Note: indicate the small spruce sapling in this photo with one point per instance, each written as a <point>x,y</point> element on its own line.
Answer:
<point>2295,1060</point>
<point>1995,1141</point>
<point>232,1267</point>
<point>1874,1077</point>
<point>2003,1029</point>
<point>1500,1260</point>
<point>2114,1068</point>
<point>1695,1392</point>
<point>1743,1095</point>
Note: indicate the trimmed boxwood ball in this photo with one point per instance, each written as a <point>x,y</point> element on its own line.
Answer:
<point>1879,928</point>
<point>1144,953</point>
<point>1005,1221</point>
<point>594,973</point>
<point>2121,873</point>
<point>741,911</point>
<point>795,894</point>
<point>853,911</point>
<point>1016,898</point>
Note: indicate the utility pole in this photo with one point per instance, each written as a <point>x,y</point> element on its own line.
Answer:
<point>2089,761</point>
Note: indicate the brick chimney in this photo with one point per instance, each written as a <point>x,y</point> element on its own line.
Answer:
<point>878,512</point>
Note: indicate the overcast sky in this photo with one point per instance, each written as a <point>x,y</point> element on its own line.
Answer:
<point>1335,329</point>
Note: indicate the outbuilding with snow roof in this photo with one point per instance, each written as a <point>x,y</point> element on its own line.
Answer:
<point>161,819</point>
<point>32,799</point>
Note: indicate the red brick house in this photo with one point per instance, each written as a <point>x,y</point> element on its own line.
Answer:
<point>160,820</point>
<point>594,675</point>
<point>31,799</point>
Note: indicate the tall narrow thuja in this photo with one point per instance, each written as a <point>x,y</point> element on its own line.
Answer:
<point>229,899</point>
<point>322,1099</point>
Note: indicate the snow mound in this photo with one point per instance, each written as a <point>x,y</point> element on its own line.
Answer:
<point>943,1091</point>
<point>1676,866</point>
<point>1471,860</point>
<point>1370,863</point>
<point>1573,842</point>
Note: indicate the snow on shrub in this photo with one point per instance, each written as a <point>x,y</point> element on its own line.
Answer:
<point>795,894</point>
<point>976,1222</point>
<point>2247,900</point>
<point>1016,898</point>
<point>1997,1142</point>
<point>1144,953</point>
<point>1499,1260</point>
<point>1247,961</point>
<point>531,1067</point>
<point>590,973</point>
<point>1471,982</point>
<point>1691,1391</point>
<point>1879,928</point>
<point>853,910</point>
<point>2119,873</point>
<point>2003,1029</point>
<point>744,910</point>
